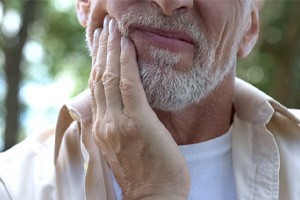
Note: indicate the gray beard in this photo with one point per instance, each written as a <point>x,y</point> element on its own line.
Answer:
<point>166,88</point>
<point>170,90</point>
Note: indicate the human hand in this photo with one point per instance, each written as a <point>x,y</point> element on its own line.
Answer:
<point>141,152</point>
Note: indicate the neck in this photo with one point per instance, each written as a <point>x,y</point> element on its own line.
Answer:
<point>208,119</point>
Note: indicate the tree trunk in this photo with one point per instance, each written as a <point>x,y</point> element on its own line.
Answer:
<point>13,58</point>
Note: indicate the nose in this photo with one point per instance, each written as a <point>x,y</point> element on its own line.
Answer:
<point>170,7</point>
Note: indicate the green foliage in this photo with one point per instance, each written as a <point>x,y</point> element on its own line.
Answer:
<point>273,66</point>
<point>63,40</point>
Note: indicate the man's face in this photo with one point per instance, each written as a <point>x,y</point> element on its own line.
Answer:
<point>185,48</point>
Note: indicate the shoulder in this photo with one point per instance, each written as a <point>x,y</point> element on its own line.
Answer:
<point>286,132</point>
<point>30,147</point>
<point>28,169</point>
<point>30,161</point>
<point>286,125</point>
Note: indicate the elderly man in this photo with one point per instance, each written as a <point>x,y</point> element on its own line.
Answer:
<point>165,117</point>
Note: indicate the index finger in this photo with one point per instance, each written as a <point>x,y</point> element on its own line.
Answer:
<point>99,67</point>
<point>132,91</point>
<point>95,44</point>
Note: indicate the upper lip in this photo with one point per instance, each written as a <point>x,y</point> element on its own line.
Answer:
<point>179,35</point>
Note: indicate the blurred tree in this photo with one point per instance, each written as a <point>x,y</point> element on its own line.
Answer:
<point>13,47</point>
<point>274,66</point>
<point>285,53</point>
<point>52,26</point>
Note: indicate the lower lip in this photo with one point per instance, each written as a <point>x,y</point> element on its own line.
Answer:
<point>161,42</point>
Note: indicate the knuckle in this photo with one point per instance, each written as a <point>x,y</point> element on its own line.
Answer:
<point>103,130</point>
<point>108,128</point>
<point>124,61</point>
<point>110,79</point>
<point>98,125</point>
<point>126,86</point>
<point>94,54</point>
<point>97,72</point>
<point>98,67</point>
<point>103,39</point>
<point>111,46</point>
<point>96,131</point>
<point>128,126</point>
<point>102,48</point>
<point>106,136</point>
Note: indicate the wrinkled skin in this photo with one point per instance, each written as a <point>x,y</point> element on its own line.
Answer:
<point>137,142</point>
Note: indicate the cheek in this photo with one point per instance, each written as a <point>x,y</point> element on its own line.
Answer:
<point>95,19</point>
<point>222,43</point>
<point>99,9</point>
<point>98,12</point>
<point>116,8</point>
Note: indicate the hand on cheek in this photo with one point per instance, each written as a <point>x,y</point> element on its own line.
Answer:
<point>142,154</point>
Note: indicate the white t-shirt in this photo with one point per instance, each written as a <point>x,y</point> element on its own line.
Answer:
<point>210,165</point>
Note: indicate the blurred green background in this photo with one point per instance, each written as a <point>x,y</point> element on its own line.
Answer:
<point>44,61</point>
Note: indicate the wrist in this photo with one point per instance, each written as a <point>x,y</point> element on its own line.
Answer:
<point>158,197</point>
<point>166,194</point>
<point>165,197</point>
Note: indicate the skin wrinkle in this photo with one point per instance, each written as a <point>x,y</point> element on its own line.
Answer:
<point>220,47</point>
<point>183,109</point>
<point>210,17</point>
<point>175,103</point>
<point>247,10</point>
<point>179,89</point>
<point>231,56</point>
<point>92,24</point>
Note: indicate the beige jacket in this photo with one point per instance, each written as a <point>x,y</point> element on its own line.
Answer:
<point>265,146</point>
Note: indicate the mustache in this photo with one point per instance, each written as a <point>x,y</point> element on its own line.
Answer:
<point>179,23</point>
<point>129,21</point>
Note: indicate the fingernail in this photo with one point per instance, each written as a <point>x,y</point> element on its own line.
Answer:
<point>112,25</point>
<point>96,36</point>
<point>106,22</point>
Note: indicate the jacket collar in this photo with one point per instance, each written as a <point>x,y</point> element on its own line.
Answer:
<point>77,109</point>
<point>250,104</point>
<point>256,107</point>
